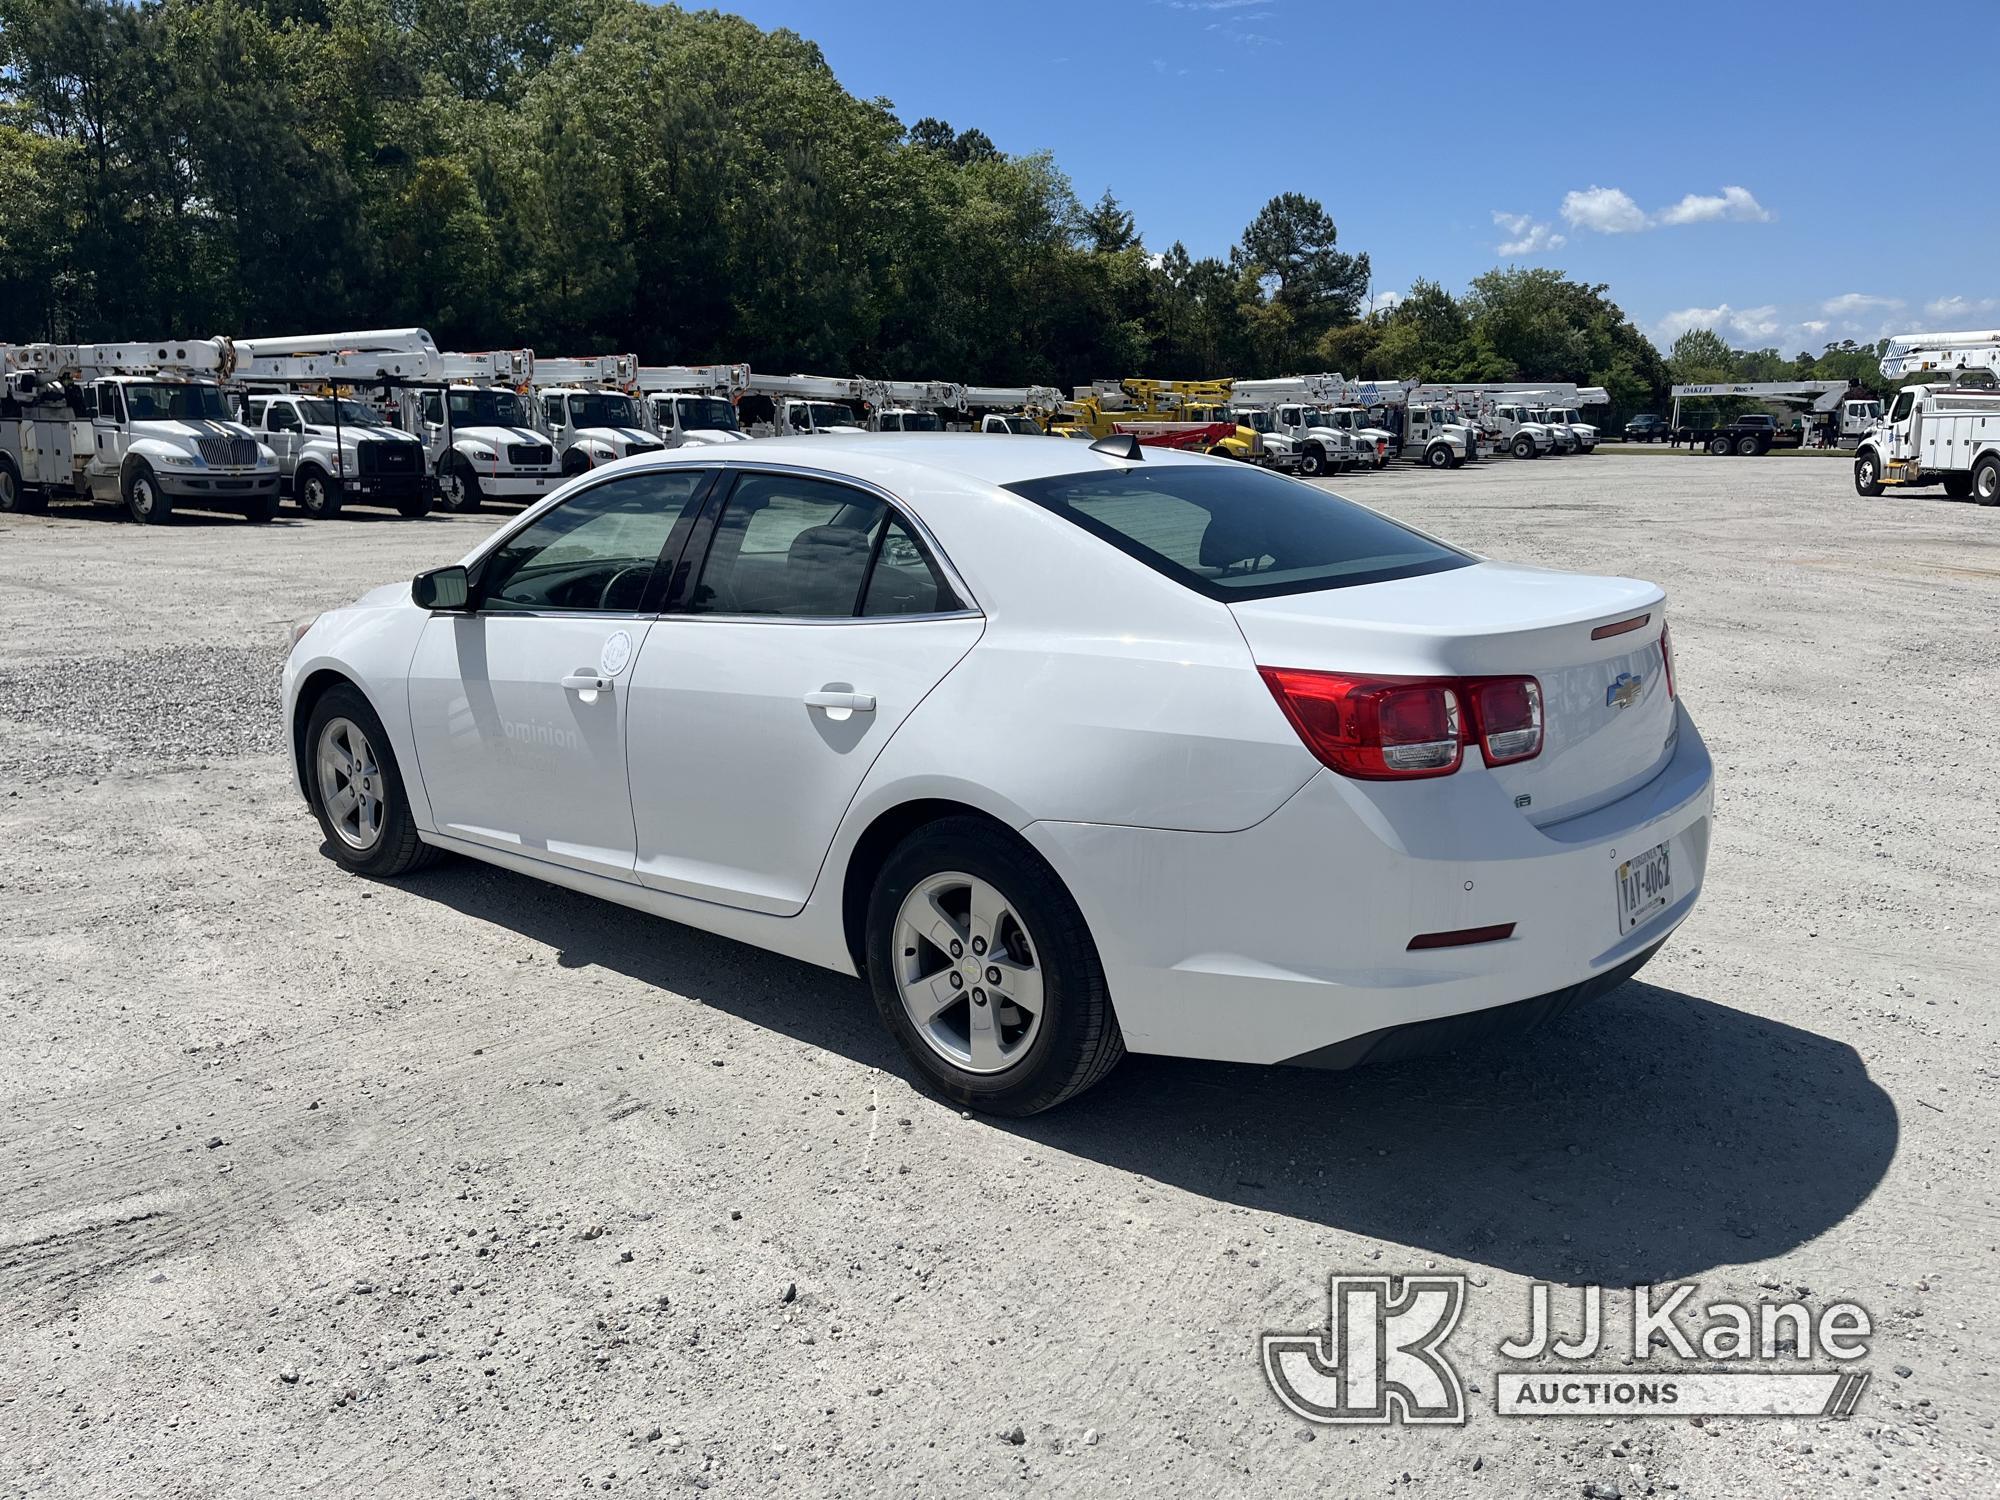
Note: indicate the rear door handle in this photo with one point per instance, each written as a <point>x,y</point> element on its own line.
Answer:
<point>859,703</point>
<point>587,682</point>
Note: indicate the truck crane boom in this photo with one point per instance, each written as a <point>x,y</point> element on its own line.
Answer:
<point>380,355</point>
<point>617,370</point>
<point>172,358</point>
<point>1922,353</point>
<point>509,367</point>
<point>709,380</point>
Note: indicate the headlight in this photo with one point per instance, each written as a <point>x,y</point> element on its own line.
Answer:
<point>299,629</point>
<point>181,460</point>
<point>485,455</point>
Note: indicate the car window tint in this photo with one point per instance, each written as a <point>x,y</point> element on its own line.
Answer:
<point>787,545</point>
<point>594,553</point>
<point>1233,532</point>
<point>904,581</point>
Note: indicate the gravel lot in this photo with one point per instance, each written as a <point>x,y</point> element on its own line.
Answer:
<point>471,1186</point>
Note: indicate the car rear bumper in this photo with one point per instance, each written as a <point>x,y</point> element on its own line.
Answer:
<point>1289,941</point>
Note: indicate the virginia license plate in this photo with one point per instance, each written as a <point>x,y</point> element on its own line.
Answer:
<point>1645,887</point>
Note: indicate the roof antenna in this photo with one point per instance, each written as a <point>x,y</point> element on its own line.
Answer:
<point>1120,445</point>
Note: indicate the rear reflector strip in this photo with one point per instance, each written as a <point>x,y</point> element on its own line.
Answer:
<point>1464,937</point>
<point>1605,632</point>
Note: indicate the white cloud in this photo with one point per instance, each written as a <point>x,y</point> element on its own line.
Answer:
<point>1733,203</point>
<point>1384,301</point>
<point>1847,304</point>
<point>1527,236</point>
<point>1961,307</point>
<point>1606,210</point>
<point>1745,323</point>
<point>1814,325</point>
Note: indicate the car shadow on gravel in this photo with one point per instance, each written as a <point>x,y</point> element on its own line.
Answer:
<point>1645,1137</point>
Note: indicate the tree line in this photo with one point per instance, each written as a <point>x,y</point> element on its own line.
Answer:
<point>591,175</point>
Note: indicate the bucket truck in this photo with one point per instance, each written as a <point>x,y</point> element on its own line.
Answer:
<point>1945,431</point>
<point>694,405</point>
<point>335,449</point>
<point>480,428</point>
<point>1023,410</point>
<point>1161,413</point>
<point>806,404</point>
<point>909,405</point>
<point>147,424</point>
<point>593,410</point>
<point>1755,432</point>
<point>1297,433</point>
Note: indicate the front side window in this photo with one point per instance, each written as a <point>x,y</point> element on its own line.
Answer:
<point>795,547</point>
<point>1905,400</point>
<point>1232,532</point>
<point>595,553</point>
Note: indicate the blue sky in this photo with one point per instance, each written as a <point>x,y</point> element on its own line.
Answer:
<point>1731,166</point>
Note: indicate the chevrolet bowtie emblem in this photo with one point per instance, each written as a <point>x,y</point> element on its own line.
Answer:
<point>1623,691</point>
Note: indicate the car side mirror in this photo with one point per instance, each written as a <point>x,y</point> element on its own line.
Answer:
<point>442,589</point>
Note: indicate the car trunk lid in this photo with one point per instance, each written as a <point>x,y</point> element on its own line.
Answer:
<point>1607,714</point>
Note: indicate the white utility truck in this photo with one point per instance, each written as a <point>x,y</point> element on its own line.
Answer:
<point>694,405</point>
<point>335,449</point>
<point>482,430</point>
<point>147,424</point>
<point>802,405</point>
<point>1022,410</point>
<point>909,405</point>
<point>1945,433</point>
<point>1296,433</point>
<point>592,410</point>
<point>1322,395</point>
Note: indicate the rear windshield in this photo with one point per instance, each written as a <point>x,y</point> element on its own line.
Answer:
<point>1233,532</point>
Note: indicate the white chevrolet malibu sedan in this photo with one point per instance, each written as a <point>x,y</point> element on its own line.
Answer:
<point>1067,749</point>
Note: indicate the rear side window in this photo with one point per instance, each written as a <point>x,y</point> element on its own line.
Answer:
<point>1234,532</point>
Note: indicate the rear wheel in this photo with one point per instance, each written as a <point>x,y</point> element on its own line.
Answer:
<point>316,494</point>
<point>1958,486</point>
<point>15,497</point>
<point>1986,480</point>
<point>1747,446</point>
<point>458,486</point>
<point>1718,445</point>
<point>145,501</point>
<point>1867,476</point>
<point>985,973</point>
<point>357,789</point>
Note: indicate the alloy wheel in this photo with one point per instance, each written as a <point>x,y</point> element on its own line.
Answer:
<point>350,784</point>
<point>968,973</point>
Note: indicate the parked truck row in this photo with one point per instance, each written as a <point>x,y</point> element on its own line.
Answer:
<point>383,417</point>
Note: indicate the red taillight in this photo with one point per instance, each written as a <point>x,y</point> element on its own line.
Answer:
<point>1507,718</point>
<point>1667,655</point>
<point>1400,728</point>
<point>1373,728</point>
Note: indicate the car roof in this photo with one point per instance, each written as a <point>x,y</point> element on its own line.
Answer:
<point>989,458</point>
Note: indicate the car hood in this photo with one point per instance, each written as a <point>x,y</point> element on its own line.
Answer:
<point>172,427</point>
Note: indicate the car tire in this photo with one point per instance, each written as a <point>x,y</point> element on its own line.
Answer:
<point>145,501</point>
<point>415,507</point>
<point>1867,476</point>
<point>1718,445</point>
<point>1026,926</point>
<point>1524,447</point>
<point>1958,486</point>
<point>575,462</point>
<point>458,486</point>
<point>1747,447</point>
<point>1986,480</point>
<point>373,833</point>
<point>263,508</point>
<point>1438,457</point>
<point>1312,463</point>
<point>16,499</point>
<point>315,493</point>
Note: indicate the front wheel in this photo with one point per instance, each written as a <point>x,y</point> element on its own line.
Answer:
<point>145,501</point>
<point>1986,480</point>
<point>357,789</point>
<point>1524,447</point>
<point>1313,463</point>
<point>414,507</point>
<point>985,973</point>
<point>317,496</point>
<point>1438,457</point>
<point>458,486</point>
<point>1867,476</point>
<point>15,497</point>
<point>263,508</point>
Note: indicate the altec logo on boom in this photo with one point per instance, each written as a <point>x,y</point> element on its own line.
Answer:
<point>1382,1359</point>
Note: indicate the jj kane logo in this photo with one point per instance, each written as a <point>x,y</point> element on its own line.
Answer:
<point>1382,1357</point>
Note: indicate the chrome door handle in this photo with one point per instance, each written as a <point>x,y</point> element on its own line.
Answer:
<point>859,703</point>
<point>587,682</point>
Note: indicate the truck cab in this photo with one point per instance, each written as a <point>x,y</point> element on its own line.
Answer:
<point>1016,422</point>
<point>591,426</point>
<point>1520,433</point>
<point>1373,443</point>
<point>1316,445</point>
<point>1583,434</point>
<point>686,419</point>
<point>334,451</point>
<point>492,448</point>
<point>1435,436</point>
<point>800,418</point>
<point>905,419</point>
